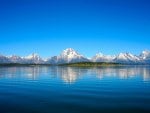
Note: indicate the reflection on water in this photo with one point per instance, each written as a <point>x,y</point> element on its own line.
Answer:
<point>71,74</point>
<point>45,89</point>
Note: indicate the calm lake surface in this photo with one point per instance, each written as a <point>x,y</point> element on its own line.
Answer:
<point>44,89</point>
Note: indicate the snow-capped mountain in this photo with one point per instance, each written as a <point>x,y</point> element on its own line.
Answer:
<point>68,56</point>
<point>71,56</point>
<point>52,60</point>
<point>15,59</point>
<point>126,58</point>
<point>33,59</point>
<point>145,56</point>
<point>4,59</point>
<point>102,58</point>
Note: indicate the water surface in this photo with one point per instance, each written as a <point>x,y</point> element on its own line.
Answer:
<point>44,89</point>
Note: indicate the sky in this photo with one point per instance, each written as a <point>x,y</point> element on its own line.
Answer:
<point>89,26</point>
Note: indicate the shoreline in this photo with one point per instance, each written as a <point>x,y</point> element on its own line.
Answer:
<point>78,64</point>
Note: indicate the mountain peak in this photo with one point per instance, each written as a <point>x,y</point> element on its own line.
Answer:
<point>145,54</point>
<point>13,55</point>
<point>69,49</point>
<point>146,51</point>
<point>70,55</point>
<point>69,52</point>
<point>122,55</point>
<point>99,55</point>
<point>32,56</point>
<point>127,57</point>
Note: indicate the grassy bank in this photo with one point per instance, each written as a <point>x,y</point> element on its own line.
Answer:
<point>91,64</point>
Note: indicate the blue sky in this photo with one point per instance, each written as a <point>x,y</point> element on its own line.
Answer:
<point>89,26</point>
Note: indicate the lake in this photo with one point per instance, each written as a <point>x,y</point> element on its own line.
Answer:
<point>56,89</point>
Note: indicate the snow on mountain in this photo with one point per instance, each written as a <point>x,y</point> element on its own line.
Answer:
<point>4,59</point>
<point>145,57</point>
<point>68,56</point>
<point>33,59</point>
<point>52,60</point>
<point>126,58</point>
<point>71,56</point>
<point>102,58</point>
<point>15,59</point>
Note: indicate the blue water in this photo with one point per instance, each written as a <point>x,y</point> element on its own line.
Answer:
<point>44,89</point>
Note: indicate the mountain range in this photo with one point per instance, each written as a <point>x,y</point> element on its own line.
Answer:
<point>69,55</point>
